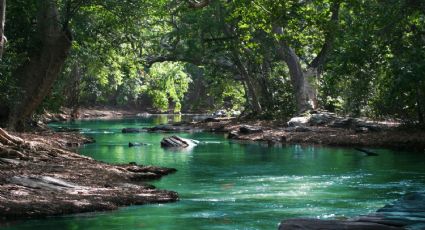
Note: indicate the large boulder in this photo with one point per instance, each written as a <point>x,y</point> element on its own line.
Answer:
<point>178,142</point>
<point>321,118</point>
<point>298,121</point>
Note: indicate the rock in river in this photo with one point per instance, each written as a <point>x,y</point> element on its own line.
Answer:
<point>131,130</point>
<point>177,142</point>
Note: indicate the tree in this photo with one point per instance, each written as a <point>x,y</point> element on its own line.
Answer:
<point>2,22</point>
<point>36,76</point>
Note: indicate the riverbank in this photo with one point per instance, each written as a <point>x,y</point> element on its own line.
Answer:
<point>97,112</point>
<point>40,176</point>
<point>319,135</point>
<point>372,134</point>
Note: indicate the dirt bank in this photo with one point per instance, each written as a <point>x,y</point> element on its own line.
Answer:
<point>40,177</point>
<point>100,112</point>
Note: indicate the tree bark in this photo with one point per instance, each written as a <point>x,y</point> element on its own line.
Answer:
<point>304,81</point>
<point>74,91</point>
<point>420,108</point>
<point>254,99</point>
<point>296,73</point>
<point>2,22</point>
<point>36,76</point>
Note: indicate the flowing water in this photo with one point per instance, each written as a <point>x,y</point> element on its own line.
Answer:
<point>228,185</point>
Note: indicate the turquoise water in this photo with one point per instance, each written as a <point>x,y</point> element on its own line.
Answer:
<point>228,185</point>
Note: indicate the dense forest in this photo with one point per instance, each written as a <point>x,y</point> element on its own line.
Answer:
<point>267,58</point>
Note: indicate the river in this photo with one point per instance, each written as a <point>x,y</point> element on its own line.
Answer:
<point>229,185</point>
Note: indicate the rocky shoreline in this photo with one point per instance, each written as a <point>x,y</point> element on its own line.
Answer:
<point>40,177</point>
<point>345,132</point>
<point>405,213</point>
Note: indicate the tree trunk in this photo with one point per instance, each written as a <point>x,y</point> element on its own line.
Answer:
<point>303,97</point>
<point>74,91</point>
<point>420,108</point>
<point>304,82</point>
<point>254,100</point>
<point>2,21</point>
<point>36,76</point>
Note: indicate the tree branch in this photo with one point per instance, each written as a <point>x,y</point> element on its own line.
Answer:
<point>199,5</point>
<point>329,37</point>
<point>2,19</point>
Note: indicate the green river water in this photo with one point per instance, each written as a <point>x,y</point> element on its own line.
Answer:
<point>229,185</point>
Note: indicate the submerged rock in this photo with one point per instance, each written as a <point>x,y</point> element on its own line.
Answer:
<point>133,144</point>
<point>170,128</point>
<point>131,130</point>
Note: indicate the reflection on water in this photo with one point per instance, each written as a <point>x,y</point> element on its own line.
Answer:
<point>227,185</point>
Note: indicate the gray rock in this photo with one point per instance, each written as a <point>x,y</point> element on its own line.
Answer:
<point>247,129</point>
<point>321,118</point>
<point>298,121</point>
<point>233,135</point>
<point>178,142</point>
<point>344,123</point>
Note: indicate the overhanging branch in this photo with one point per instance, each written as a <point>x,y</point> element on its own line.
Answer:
<point>199,5</point>
<point>329,37</point>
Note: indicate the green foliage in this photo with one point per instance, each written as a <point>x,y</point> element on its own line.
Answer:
<point>228,48</point>
<point>167,82</point>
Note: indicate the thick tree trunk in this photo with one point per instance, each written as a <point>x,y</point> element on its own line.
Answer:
<point>2,22</point>
<point>36,76</point>
<point>304,81</point>
<point>303,97</point>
